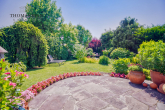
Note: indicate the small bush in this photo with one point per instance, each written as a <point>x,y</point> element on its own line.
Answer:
<point>17,66</point>
<point>64,53</point>
<point>105,52</point>
<point>103,60</point>
<point>88,60</point>
<point>134,60</point>
<point>147,73</point>
<point>152,55</point>
<point>121,53</point>
<point>79,51</point>
<point>121,65</point>
<point>90,51</point>
<point>132,54</point>
<point>110,50</point>
<point>135,68</point>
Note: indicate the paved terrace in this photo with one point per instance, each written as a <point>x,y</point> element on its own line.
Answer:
<point>98,93</point>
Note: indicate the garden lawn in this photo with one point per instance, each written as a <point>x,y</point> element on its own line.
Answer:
<point>37,75</point>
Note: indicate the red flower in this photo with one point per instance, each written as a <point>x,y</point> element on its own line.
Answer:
<point>7,73</point>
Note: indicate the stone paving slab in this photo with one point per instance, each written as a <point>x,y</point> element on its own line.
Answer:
<point>98,93</point>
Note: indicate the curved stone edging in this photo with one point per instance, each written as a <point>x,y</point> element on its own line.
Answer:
<point>98,93</point>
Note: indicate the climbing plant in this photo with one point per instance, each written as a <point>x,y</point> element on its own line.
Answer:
<point>24,42</point>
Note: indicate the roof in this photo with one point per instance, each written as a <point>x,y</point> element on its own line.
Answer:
<point>2,50</point>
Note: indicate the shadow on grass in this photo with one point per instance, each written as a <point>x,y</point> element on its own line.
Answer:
<point>34,69</point>
<point>76,63</point>
<point>39,68</point>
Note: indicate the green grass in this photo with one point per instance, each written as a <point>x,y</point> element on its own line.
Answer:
<point>37,75</point>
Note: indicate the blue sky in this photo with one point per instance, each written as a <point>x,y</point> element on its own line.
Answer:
<point>95,15</point>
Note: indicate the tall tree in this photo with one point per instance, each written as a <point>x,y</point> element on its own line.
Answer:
<point>44,15</point>
<point>155,33</point>
<point>84,36</point>
<point>106,39</point>
<point>95,44</point>
<point>68,35</point>
<point>124,35</point>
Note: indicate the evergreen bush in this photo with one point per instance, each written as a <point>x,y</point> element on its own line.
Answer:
<point>24,42</point>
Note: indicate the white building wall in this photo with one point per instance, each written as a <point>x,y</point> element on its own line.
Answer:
<point>1,55</point>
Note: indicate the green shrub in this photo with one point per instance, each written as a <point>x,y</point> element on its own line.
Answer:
<point>110,50</point>
<point>120,53</point>
<point>121,65</point>
<point>79,51</point>
<point>88,60</point>
<point>152,55</point>
<point>103,60</point>
<point>24,42</point>
<point>135,68</point>
<point>134,60</point>
<point>18,66</point>
<point>105,52</point>
<point>10,85</point>
<point>90,51</point>
<point>64,53</point>
<point>147,73</point>
<point>132,54</point>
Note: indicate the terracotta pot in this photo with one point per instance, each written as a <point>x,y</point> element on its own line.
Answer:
<point>136,77</point>
<point>161,88</point>
<point>153,86</point>
<point>157,78</point>
<point>145,84</point>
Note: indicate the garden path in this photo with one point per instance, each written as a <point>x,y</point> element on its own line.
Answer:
<point>98,93</point>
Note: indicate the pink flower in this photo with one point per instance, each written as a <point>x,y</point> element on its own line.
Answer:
<point>7,73</point>
<point>7,77</point>
<point>12,84</point>
<point>3,60</point>
<point>27,76</point>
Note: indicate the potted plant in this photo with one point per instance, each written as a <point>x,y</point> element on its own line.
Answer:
<point>152,56</point>
<point>136,75</point>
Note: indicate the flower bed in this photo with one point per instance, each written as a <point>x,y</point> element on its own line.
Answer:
<point>113,74</point>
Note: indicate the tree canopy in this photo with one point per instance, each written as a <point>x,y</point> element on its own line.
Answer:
<point>124,35</point>
<point>45,15</point>
<point>68,35</point>
<point>95,44</point>
<point>106,39</point>
<point>84,36</point>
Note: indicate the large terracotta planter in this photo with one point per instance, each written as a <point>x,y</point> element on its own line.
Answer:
<point>157,78</point>
<point>161,88</point>
<point>136,77</point>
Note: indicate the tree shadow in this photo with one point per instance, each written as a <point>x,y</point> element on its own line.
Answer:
<point>152,92</point>
<point>76,63</point>
<point>34,69</point>
<point>156,94</point>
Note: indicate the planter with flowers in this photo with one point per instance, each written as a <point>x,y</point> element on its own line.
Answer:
<point>152,56</point>
<point>135,74</point>
<point>10,83</point>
